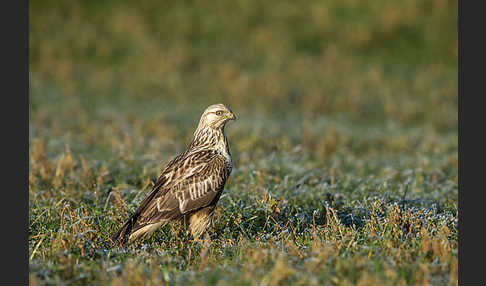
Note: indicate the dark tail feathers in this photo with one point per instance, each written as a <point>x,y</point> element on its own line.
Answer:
<point>123,233</point>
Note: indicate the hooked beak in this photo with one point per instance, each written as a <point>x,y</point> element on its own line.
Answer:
<point>232,116</point>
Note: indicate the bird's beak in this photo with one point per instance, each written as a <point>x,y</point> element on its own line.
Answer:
<point>232,116</point>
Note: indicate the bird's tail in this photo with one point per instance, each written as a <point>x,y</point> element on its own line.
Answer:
<point>124,232</point>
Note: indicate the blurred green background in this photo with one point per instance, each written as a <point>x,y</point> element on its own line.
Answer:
<point>366,61</point>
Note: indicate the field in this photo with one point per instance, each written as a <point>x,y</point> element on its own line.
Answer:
<point>345,151</point>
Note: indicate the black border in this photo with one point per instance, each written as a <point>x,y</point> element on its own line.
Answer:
<point>14,21</point>
<point>471,79</point>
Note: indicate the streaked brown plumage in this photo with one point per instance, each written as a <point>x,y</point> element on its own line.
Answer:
<point>190,185</point>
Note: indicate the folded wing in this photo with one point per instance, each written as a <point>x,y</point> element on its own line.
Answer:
<point>189,183</point>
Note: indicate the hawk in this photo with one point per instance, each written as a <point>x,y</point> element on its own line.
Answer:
<point>189,187</point>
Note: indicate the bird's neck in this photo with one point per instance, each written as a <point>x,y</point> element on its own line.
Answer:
<point>210,138</point>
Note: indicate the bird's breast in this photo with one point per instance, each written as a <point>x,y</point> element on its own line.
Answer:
<point>223,150</point>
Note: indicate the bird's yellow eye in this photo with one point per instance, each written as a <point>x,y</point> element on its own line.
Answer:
<point>219,113</point>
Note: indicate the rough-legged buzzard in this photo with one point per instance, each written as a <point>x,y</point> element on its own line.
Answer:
<point>190,185</point>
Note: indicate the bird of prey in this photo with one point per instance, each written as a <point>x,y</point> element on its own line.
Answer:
<point>189,187</point>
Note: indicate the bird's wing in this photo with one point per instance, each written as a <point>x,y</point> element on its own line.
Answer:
<point>164,178</point>
<point>192,182</point>
<point>199,188</point>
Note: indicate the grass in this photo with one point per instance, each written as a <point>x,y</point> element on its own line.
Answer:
<point>345,150</point>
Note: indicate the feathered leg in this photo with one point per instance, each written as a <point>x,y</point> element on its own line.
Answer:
<point>200,220</point>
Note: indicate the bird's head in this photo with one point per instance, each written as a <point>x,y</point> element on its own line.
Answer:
<point>216,116</point>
